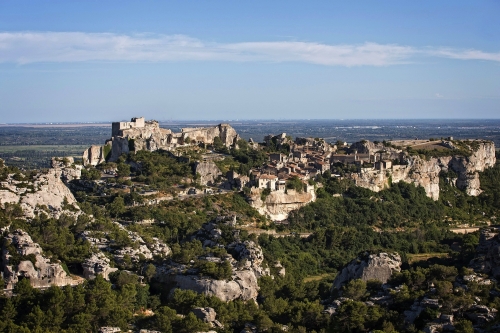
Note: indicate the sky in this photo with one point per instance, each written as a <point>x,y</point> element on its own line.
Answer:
<point>100,61</point>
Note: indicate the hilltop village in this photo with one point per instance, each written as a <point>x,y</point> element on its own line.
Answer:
<point>291,169</point>
<point>203,231</point>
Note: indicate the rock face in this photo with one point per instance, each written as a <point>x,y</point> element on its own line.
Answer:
<point>242,285</point>
<point>44,189</point>
<point>139,134</point>
<point>369,267</point>
<point>42,273</point>
<point>97,264</point>
<point>278,204</point>
<point>425,173</point>
<point>208,172</point>
<point>94,155</point>
<point>251,255</point>
<point>487,258</point>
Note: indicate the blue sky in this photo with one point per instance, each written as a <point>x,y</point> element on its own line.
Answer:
<point>110,60</point>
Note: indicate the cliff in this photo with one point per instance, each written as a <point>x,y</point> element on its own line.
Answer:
<point>425,173</point>
<point>278,204</point>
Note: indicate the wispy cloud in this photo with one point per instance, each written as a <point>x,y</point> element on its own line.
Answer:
<point>31,47</point>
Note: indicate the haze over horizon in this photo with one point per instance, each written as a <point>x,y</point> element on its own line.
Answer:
<point>84,61</point>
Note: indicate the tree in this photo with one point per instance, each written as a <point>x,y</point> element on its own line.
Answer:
<point>123,170</point>
<point>355,289</point>
<point>117,207</point>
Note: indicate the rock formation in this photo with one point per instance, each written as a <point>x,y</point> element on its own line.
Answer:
<point>425,173</point>
<point>23,258</point>
<point>97,264</point>
<point>45,191</point>
<point>278,204</point>
<point>139,134</point>
<point>208,171</point>
<point>246,261</point>
<point>487,259</point>
<point>208,316</point>
<point>369,267</point>
<point>94,155</point>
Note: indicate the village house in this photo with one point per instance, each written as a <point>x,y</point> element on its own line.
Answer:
<point>267,181</point>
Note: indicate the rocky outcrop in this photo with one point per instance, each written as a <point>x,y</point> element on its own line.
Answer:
<point>251,255</point>
<point>97,264</point>
<point>278,204</point>
<point>366,147</point>
<point>139,134</point>
<point>208,171</point>
<point>207,315</point>
<point>23,258</point>
<point>487,259</point>
<point>94,155</point>
<point>246,260</point>
<point>242,285</point>
<point>369,267</point>
<point>45,192</point>
<point>140,251</point>
<point>425,173</point>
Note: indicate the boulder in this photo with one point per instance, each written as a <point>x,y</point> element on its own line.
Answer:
<point>242,285</point>
<point>369,267</point>
<point>207,315</point>
<point>208,171</point>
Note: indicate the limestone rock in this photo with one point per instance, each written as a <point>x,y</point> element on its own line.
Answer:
<point>279,204</point>
<point>139,134</point>
<point>205,314</point>
<point>487,259</point>
<point>208,172</point>
<point>44,189</point>
<point>42,273</point>
<point>243,285</point>
<point>369,267</point>
<point>252,256</point>
<point>94,155</point>
<point>97,264</point>
<point>425,173</point>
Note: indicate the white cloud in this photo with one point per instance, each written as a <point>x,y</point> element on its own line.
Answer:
<point>438,95</point>
<point>465,54</point>
<point>30,47</point>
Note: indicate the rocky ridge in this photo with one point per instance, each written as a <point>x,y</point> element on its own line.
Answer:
<point>425,173</point>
